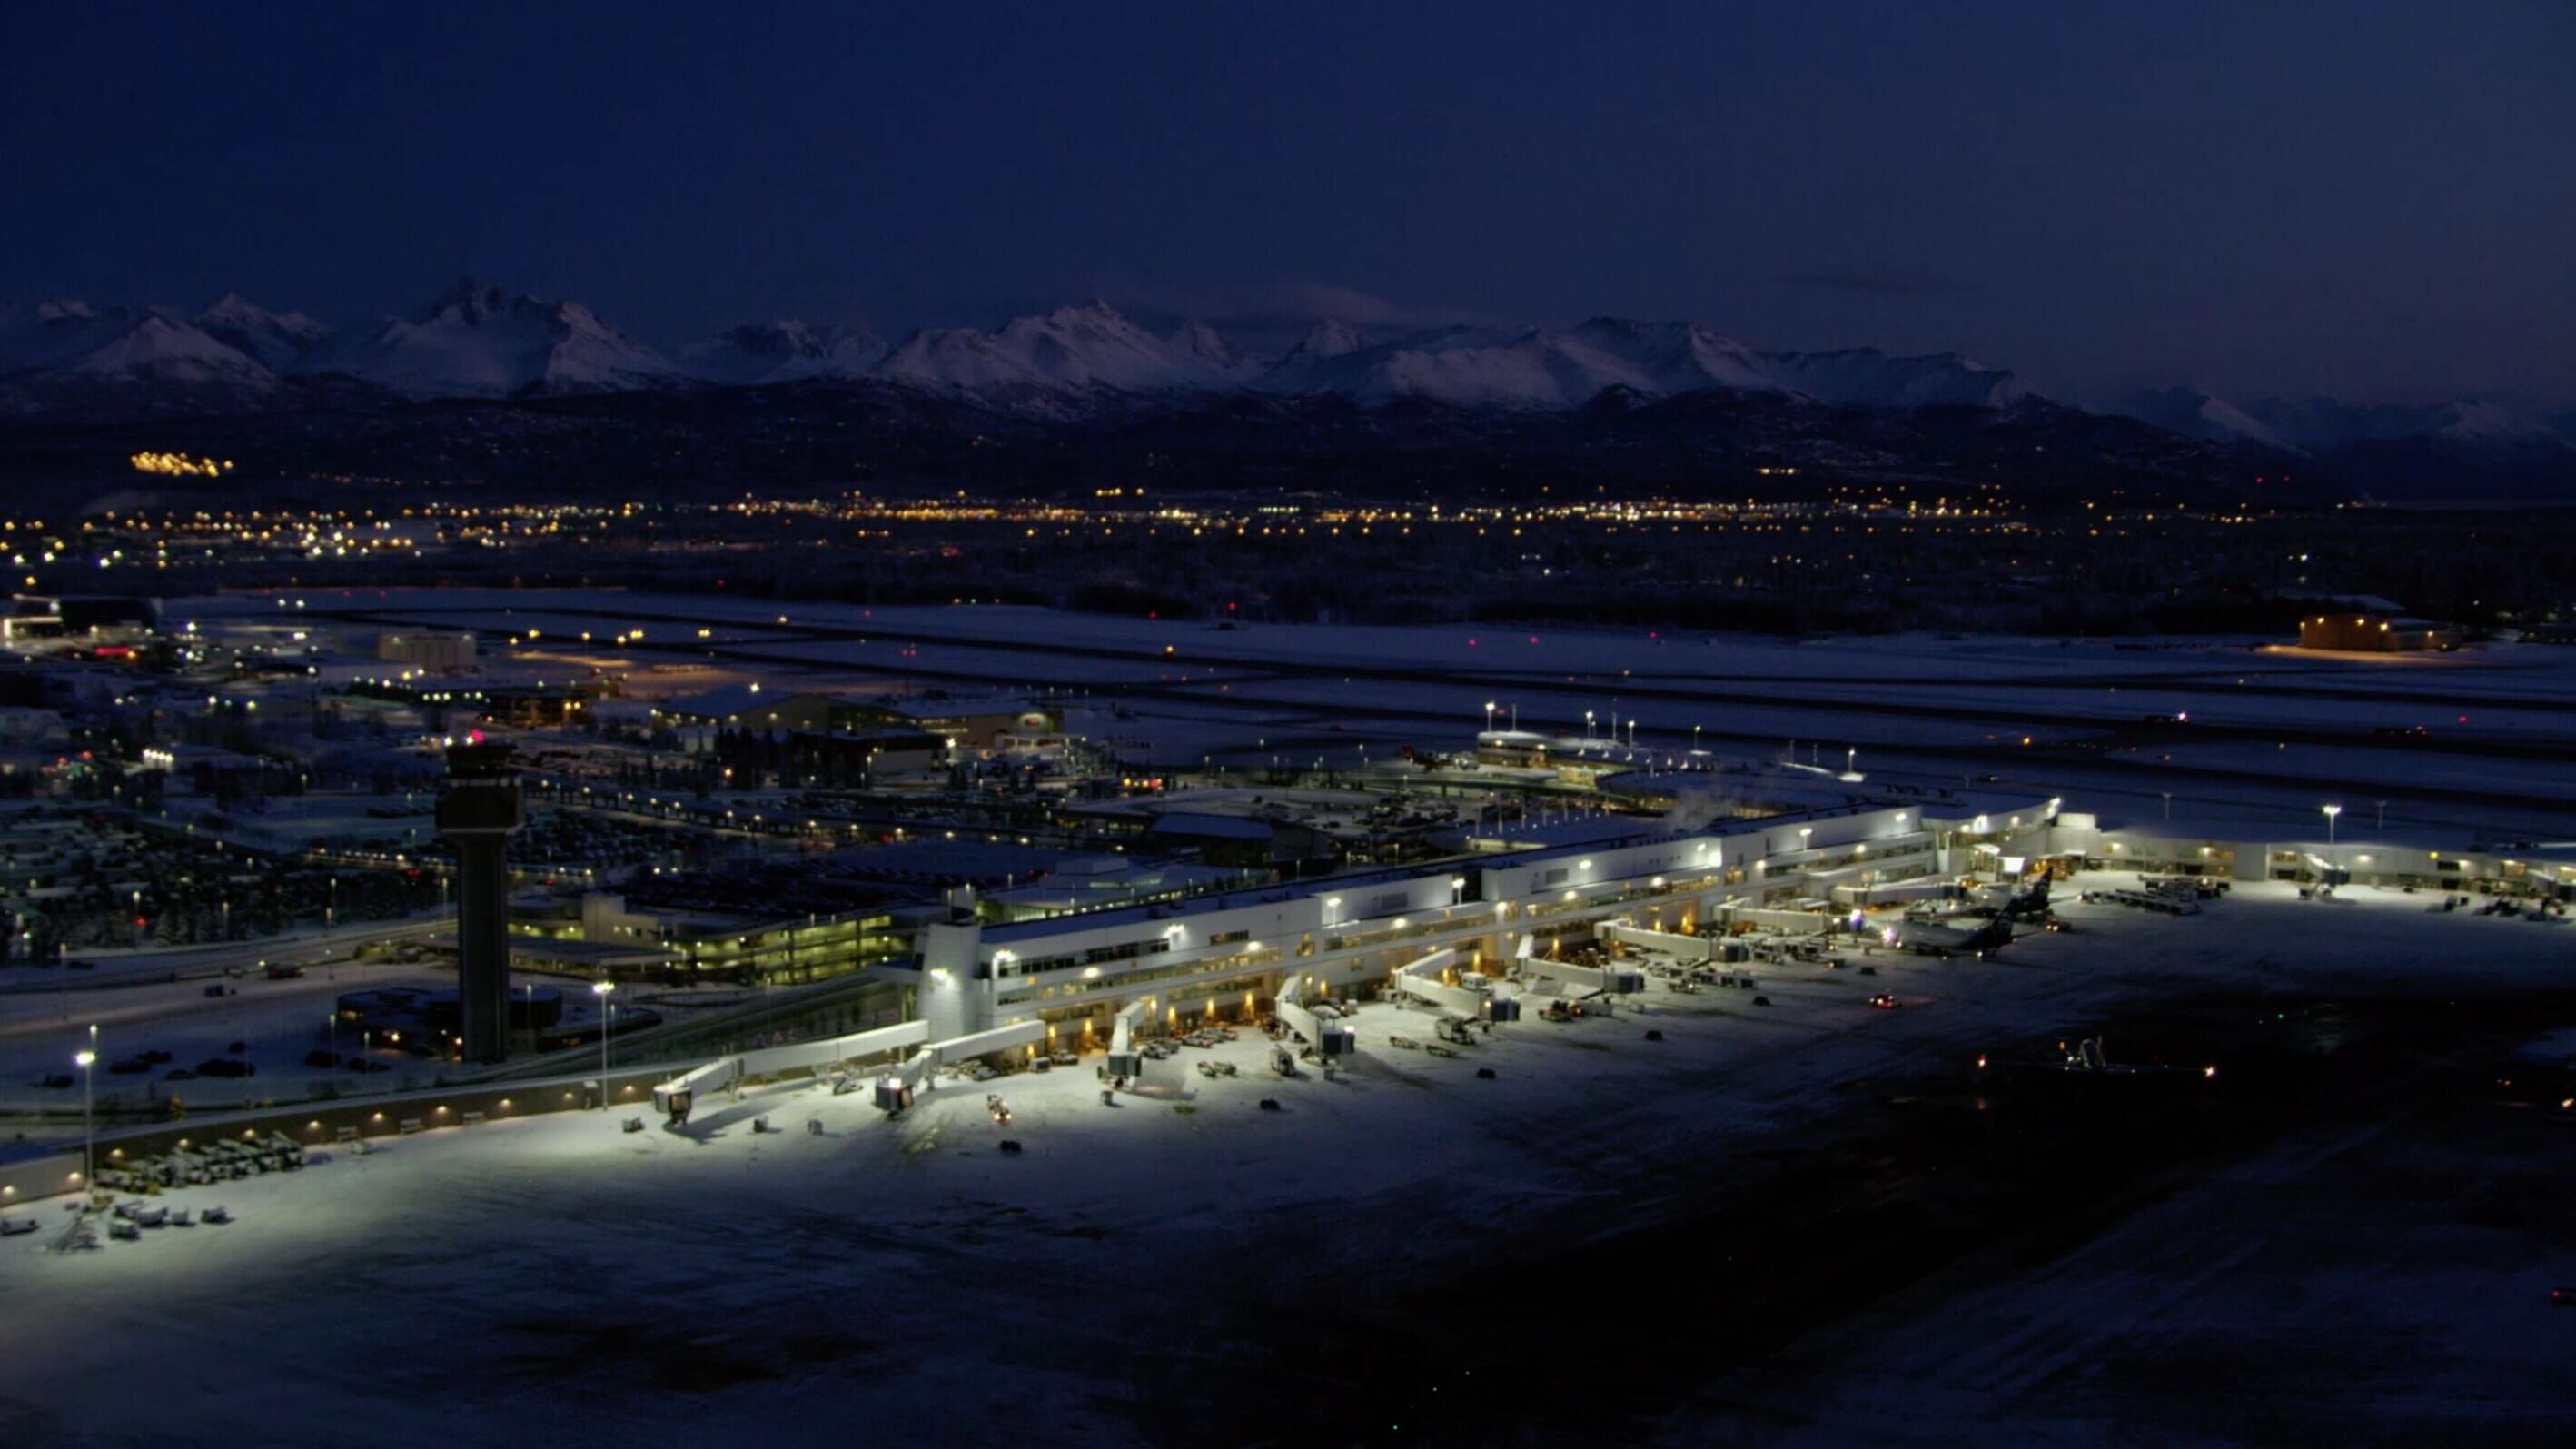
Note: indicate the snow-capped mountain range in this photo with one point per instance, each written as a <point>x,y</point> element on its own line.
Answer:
<point>476,340</point>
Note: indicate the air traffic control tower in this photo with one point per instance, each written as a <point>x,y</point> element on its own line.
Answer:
<point>478,813</point>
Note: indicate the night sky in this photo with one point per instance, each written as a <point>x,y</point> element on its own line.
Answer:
<point>2376,200</point>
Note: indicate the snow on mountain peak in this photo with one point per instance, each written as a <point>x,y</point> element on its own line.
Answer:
<point>1864,377</point>
<point>779,351</point>
<point>277,342</point>
<point>2195,414</point>
<point>69,354</point>
<point>1679,356</point>
<point>1331,337</point>
<point>477,340</point>
<point>1090,346</point>
<point>162,348</point>
<point>1545,368</point>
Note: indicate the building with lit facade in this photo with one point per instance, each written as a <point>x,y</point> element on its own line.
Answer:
<point>1230,952</point>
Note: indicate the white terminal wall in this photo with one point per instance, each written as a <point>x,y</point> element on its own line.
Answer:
<point>1357,930</point>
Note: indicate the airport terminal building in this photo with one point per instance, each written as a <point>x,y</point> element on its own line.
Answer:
<point>1228,953</point>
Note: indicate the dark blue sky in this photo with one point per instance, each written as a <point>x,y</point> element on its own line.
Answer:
<point>2372,199</point>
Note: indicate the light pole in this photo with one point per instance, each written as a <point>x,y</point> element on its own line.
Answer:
<point>1489,715</point>
<point>2331,811</point>
<point>2383,815</point>
<point>607,1014</point>
<point>87,1061</point>
<point>2168,794</point>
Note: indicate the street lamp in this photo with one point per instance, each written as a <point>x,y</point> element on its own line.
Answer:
<point>86,1060</point>
<point>1489,715</point>
<point>607,1014</point>
<point>2331,812</point>
<point>2383,815</point>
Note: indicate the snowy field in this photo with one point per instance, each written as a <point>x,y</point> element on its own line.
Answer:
<point>1147,1274</point>
<point>1917,707</point>
<point>2500,672</point>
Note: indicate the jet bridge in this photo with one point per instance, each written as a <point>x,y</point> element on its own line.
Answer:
<point>1331,1037</point>
<point>1124,1059</point>
<point>1689,950</point>
<point>673,1098</point>
<point>1420,980</point>
<point>1613,979</point>
<point>896,1089</point>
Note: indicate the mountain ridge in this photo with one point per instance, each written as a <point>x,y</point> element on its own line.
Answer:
<point>476,340</point>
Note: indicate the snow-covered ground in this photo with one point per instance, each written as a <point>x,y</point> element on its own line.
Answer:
<point>278,1020</point>
<point>1927,696</point>
<point>885,1280</point>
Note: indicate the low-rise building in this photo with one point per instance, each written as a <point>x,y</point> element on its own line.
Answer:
<point>2374,633</point>
<point>1234,949</point>
<point>432,652</point>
